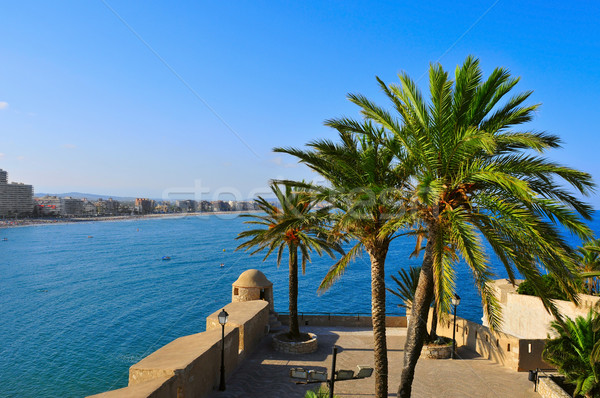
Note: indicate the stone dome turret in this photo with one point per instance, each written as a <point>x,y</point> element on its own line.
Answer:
<point>252,278</point>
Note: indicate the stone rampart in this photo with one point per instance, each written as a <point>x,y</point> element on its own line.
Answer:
<point>250,317</point>
<point>525,316</point>
<point>510,351</point>
<point>190,366</point>
<point>160,387</point>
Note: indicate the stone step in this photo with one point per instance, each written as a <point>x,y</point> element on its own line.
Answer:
<point>274,325</point>
<point>276,330</point>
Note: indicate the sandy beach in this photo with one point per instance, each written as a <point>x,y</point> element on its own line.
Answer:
<point>48,221</point>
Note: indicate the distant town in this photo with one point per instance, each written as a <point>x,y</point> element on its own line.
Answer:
<point>18,200</point>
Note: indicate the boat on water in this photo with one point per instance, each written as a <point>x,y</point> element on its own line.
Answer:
<point>166,258</point>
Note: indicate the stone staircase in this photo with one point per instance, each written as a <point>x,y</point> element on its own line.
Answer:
<point>274,325</point>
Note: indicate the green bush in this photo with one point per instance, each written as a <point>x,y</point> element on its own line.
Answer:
<point>575,353</point>
<point>550,286</point>
<point>320,392</point>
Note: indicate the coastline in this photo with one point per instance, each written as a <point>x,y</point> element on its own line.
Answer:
<point>28,222</point>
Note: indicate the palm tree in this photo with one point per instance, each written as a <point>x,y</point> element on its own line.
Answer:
<point>475,178</point>
<point>292,225</point>
<point>406,286</point>
<point>571,351</point>
<point>364,187</point>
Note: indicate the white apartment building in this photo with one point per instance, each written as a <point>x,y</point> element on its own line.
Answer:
<point>15,198</point>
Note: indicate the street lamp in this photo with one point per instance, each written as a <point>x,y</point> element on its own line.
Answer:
<point>223,315</point>
<point>455,303</point>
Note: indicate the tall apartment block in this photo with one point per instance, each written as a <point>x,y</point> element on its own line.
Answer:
<point>15,198</point>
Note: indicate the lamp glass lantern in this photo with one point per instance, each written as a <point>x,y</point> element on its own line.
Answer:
<point>456,299</point>
<point>223,316</point>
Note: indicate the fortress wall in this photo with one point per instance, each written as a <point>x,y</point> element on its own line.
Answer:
<point>190,366</point>
<point>508,350</point>
<point>342,320</point>
<point>251,319</point>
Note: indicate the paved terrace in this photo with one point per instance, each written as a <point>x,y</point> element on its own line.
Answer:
<point>265,373</point>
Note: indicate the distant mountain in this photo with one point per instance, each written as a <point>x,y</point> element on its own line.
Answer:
<point>89,196</point>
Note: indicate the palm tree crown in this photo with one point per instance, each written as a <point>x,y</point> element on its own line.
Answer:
<point>291,225</point>
<point>365,184</point>
<point>475,176</point>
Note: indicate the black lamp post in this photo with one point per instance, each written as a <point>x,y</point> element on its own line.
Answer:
<point>455,303</point>
<point>223,315</point>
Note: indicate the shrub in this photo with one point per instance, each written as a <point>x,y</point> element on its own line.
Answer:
<point>550,286</point>
<point>575,353</point>
<point>320,392</point>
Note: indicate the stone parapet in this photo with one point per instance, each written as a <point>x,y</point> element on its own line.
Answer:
<point>547,388</point>
<point>342,320</point>
<point>156,388</point>
<point>250,317</point>
<point>511,351</point>
<point>194,360</point>
<point>526,317</point>
<point>190,366</point>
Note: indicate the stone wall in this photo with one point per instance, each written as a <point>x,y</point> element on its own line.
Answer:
<point>342,320</point>
<point>251,294</point>
<point>525,316</point>
<point>250,317</point>
<point>547,388</point>
<point>190,366</point>
<point>508,350</point>
<point>156,388</point>
<point>187,358</point>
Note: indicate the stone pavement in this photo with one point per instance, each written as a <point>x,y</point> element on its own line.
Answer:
<point>265,373</point>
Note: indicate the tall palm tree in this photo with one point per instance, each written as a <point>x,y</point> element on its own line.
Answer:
<point>475,178</point>
<point>293,225</point>
<point>364,186</point>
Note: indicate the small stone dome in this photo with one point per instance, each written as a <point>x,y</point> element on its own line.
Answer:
<point>252,278</point>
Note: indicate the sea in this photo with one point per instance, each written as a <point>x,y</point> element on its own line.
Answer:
<point>82,302</point>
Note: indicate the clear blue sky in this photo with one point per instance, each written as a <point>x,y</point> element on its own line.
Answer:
<point>86,106</point>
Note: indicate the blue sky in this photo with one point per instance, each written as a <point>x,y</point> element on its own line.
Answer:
<point>199,97</point>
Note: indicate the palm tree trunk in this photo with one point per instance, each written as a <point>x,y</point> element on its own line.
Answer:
<point>417,329</point>
<point>434,322</point>
<point>378,255</point>
<point>293,292</point>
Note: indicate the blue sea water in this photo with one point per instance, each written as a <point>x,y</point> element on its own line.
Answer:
<point>76,312</point>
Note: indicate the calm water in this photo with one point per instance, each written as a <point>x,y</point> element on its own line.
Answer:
<point>76,312</point>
